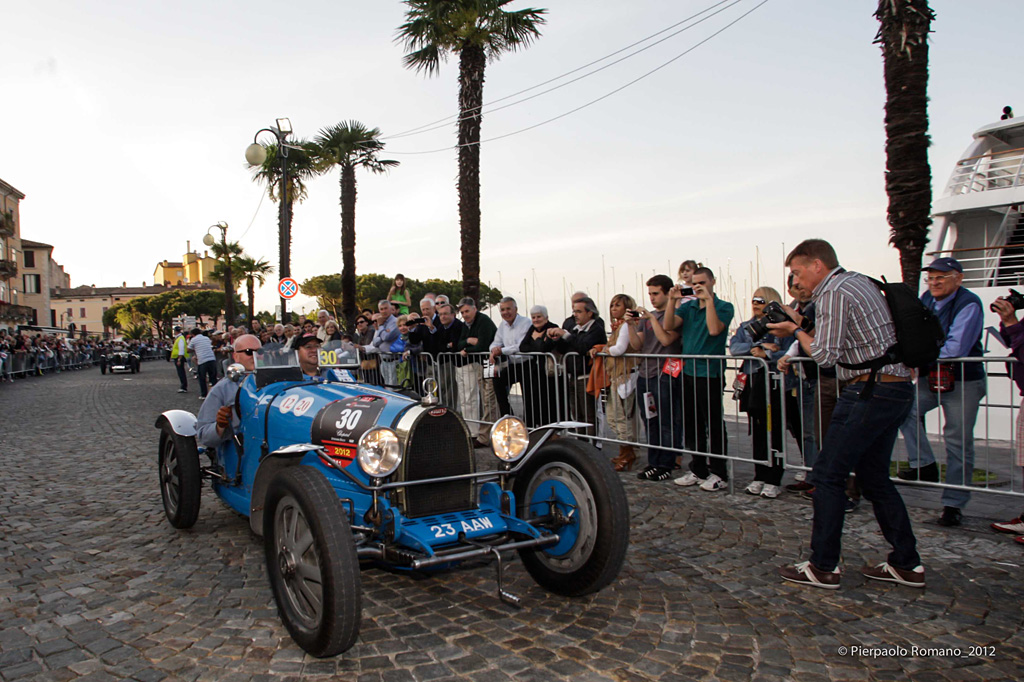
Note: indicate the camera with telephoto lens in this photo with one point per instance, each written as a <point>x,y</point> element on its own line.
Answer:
<point>1016,299</point>
<point>773,312</point>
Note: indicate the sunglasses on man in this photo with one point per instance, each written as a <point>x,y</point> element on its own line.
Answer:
<point>247,351</point>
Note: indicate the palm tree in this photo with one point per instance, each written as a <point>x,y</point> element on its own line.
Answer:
<point>478,30</point>
<point>225,253</point>
<point>302,166</point>
<point>349,145</point>
<point>903,31</point>
<point>252,271</point>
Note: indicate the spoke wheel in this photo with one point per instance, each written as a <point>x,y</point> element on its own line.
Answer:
<point>569,485</point>
<point>180,479</point>
<point>312,563</point>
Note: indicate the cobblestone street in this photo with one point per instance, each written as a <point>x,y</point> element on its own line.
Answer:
<point>96,585</point>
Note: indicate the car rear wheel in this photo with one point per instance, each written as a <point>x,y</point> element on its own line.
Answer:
<point>180,478</point>
<point>312,562</point>
<point>579,497</point>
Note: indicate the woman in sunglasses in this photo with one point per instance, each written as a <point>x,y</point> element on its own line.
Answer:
<point>754,339</point>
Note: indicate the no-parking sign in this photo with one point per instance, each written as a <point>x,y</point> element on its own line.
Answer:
<point>288,288</point>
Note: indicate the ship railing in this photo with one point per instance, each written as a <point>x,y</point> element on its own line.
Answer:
<point>995,170</point>
<point>988,265</point>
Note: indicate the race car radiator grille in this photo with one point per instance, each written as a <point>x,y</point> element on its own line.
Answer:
<point>438,446</point>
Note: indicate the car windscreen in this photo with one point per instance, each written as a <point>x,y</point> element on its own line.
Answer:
<point>339,355</point>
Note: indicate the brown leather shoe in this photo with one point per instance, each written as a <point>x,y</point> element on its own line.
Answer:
<point>626,458</point>
<point>806,573</point>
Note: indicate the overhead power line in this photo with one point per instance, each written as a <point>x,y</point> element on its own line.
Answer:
<point>598,99</point>
<point>444,122</point>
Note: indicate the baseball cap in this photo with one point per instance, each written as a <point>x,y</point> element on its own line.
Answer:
<point>306,338</point>
<point>945,265</point>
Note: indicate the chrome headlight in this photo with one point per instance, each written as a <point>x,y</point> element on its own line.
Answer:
<point>509,438</point>
<point>379,453</point>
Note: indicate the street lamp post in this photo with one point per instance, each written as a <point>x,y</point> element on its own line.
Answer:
<point>256,155</point>
<point>229,290</point>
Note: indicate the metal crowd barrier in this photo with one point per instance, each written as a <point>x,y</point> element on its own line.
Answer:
<point>787,431</point>
<point>525,385</point>
<point>36,362</point>
<point>946,435</point>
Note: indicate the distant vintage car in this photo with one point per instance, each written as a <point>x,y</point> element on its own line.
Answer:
<point>333,473</point>
<point>120,360</point>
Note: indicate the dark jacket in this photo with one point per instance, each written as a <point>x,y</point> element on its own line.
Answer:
<point>483,329</point>
<point>581,343</point>
<point>447,340</point>
<point>541,345</point>
<point>420,334</point>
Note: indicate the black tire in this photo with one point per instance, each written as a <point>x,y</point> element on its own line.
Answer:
<point>180,478</point>
<point>600,517</point>
<point>317,591</point>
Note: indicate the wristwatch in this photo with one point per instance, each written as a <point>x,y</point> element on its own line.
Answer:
<point>806,324</point>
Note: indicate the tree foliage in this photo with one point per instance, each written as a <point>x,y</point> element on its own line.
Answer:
<point>373,287</point>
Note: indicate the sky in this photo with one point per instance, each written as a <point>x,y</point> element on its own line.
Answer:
<point>126,123</point>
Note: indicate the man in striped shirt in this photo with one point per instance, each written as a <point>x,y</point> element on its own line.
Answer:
<point>853,325</point>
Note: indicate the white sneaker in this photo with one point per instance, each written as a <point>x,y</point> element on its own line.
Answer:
<point>689,479</point>
<point>714,482</point>
<point>800,476</point>
<point>755,488</point>
<point>770,491</point>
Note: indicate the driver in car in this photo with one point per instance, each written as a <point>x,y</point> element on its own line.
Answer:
<point>217,412</point>
<point>308,347</point>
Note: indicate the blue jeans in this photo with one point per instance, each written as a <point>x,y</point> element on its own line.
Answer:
<point>860,439</point>
<point>666,427</point>
<point>960,412</point>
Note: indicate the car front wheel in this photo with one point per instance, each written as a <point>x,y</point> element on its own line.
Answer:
<point>180,478</point>
<point>312,562</point>
<point>568,489</point>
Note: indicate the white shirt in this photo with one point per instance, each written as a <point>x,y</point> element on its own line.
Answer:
<point>201,346</point>
<point>509,336</point>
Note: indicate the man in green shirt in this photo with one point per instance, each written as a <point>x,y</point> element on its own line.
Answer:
<point>703,325</point>
<point>473,345</point>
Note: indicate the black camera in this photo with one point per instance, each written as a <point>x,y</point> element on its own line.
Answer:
<point>773,312</point>
<point>686,291</point>
<point>1016,299</point>
<point>633,313</point>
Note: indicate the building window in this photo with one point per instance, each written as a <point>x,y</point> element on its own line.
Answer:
<point>30,259</point>
<point>31,283</point>
<point>33,319</point>
<point>81,313</point>
<point>70,314</point>
<point>105,308</point>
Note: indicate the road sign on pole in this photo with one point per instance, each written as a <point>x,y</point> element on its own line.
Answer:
<point>288,288</point>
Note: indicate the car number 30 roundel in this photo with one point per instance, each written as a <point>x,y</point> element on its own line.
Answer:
<point>343,422</point>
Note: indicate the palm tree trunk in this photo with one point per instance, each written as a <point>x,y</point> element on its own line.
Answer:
<point>472,62</point>
<point>250,289</point>
<point>903,33</point>
<point>348,244</point>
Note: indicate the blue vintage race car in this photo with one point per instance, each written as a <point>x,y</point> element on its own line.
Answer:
<point>333,473</point>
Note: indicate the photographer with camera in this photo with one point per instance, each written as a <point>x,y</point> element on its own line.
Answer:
<point>957,387</point>
<point>757,392</point>
<point>853,326</point>
<point>703,324</point>
<point>1012,332</point>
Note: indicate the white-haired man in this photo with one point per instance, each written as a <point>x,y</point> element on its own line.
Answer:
<point>505,346</point>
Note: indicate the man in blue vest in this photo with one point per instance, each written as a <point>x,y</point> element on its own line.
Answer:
<point>957,387</point>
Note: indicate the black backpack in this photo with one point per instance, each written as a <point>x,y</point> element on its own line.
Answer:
<point>919,334</point>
